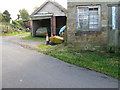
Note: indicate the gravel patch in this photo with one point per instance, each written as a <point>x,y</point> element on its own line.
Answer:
<point>29,44</point>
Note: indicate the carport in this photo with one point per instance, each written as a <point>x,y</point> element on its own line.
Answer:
<point>50,15</point>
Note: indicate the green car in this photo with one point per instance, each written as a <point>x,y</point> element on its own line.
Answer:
<point>41,31</point>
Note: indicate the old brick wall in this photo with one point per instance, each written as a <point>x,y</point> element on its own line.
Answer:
<point>87,40</point>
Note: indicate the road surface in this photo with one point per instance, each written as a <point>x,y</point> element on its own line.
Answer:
<point>24,68</point>
<point>0,62</point>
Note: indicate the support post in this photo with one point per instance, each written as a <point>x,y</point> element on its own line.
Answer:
<point>51,21</point>
<point>33,29</point>
<point>54,24</point>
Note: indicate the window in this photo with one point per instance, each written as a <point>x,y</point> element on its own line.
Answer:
<point>88,17</point>
<point>113,17</point>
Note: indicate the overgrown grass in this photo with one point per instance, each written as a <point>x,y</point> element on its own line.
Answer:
<point>42,46</point>
<point>34,38</point>
<point>15,33</point>
<point>103,62</point>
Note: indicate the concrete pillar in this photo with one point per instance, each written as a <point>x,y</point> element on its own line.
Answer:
<point>51,20</point>
<point>54,24</point>
<point>33,32</point>
<point>32,29</point>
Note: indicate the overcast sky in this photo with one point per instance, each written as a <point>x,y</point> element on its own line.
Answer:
<point>13,6</point>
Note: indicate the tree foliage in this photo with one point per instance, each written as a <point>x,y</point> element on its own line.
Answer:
<point>1,17</point>
<point>6,16</point>
<point>18,16</point>
<point>24,14</point>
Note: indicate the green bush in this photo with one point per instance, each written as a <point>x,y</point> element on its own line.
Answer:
<point>7,28</point>
<point>18,25</point>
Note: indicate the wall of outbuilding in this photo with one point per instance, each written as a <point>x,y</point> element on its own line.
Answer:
<point>88,40</point>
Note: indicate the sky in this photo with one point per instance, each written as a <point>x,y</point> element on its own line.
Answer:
<point>13,6</point>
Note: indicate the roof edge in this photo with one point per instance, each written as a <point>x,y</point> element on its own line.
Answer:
<point>54,3</point>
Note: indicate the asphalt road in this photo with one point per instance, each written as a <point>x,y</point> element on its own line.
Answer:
<point>0,63</point>
<point>23,68</point>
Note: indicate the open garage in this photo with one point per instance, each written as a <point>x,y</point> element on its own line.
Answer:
<point>49,15</point>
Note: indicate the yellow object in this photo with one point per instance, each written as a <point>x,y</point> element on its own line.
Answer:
<point>56,39</point>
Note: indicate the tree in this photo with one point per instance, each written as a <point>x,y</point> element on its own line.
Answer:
<point>18,16</point>
<point>1,17</point>
<point>24,14</point>
<point>6,16</point>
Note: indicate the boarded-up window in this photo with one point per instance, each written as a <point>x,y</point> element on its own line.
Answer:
<point>113,17</point>
<point>88,18</point>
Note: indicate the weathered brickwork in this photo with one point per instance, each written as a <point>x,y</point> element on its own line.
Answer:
<point>87,40</point>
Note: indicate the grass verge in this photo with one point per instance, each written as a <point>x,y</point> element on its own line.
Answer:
<point>103,62</point>
<point>34,38</point>
<point>42,46</point>
<point>15,33</point>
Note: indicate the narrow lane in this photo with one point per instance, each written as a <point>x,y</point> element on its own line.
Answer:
<point>0,62</point>
<point>23,68</point>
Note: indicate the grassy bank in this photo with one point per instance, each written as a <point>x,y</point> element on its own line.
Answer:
<point>34,38</point>
<point>15,33</point>
<point>103,62</point>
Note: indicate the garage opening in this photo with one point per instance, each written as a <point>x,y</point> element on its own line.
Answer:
<point>60,22</point>
<point>41,27</point>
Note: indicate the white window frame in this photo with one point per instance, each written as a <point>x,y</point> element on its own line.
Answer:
<point>99,15</point>
<point>113,18</point>
<point>114,25</point>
